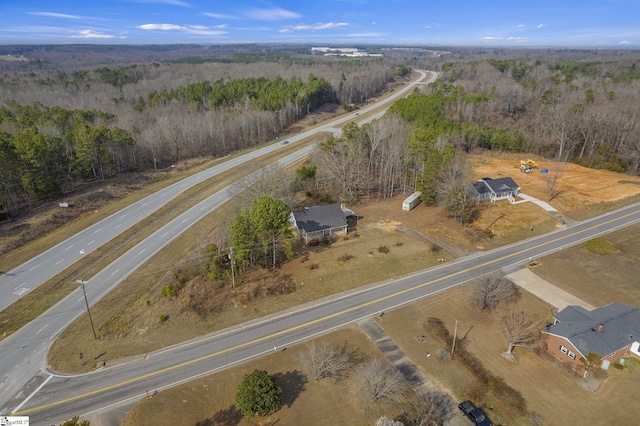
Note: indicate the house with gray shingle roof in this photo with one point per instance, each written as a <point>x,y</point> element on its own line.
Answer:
<point>493,189</point>
<point>317,223</point>
<point>611,331</point>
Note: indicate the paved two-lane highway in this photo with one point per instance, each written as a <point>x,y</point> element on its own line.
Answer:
<point>24,352</point>
<point>62,396</point>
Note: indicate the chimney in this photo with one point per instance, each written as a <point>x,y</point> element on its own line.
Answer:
<point>601,327</point>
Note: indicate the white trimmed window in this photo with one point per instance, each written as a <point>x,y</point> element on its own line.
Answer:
<point>571,355</point>
<point>563,349</point>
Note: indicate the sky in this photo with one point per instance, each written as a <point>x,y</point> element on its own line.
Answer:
<point>515,23</point>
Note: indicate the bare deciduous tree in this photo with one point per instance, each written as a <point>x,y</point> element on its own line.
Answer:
<point>493,290</point>
<point>520,328</point>
<point>429,409</point>
<point>379,381</point>
<point>386,421</point>
<point>271,180</point>
<point>323,360</point>
<point>342,164</point>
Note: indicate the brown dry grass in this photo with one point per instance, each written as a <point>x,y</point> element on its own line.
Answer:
<point>547,389</point>
<point>130,325</point>
<point>45,295</point>
<point>210,400</point>
<point>583,193</point>
<point>598,279</point>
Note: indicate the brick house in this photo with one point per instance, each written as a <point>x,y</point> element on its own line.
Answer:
<point>611,331</point>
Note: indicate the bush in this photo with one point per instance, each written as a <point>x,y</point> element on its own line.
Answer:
<point>163,317</point>
<point>167,291</point>
<point>258,394</point>
<point>436,327</point>
<point>444,354</point>
<point>502,391</point>
<point>383,249</point>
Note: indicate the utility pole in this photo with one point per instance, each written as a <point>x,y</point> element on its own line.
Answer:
<point>486,224</point>
<point>455,335</point>
<point>88,310</point>
<point>233,273</point>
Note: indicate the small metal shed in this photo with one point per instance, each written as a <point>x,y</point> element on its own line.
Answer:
<point>410,202</point>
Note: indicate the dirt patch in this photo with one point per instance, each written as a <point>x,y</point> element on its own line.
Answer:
<point>581,191</point>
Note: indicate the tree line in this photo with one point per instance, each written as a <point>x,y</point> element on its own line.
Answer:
<point>60,128</point>
<point>566,110</point>
<point>72,146</point>
<point>261,93</point>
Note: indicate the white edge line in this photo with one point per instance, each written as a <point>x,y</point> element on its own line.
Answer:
<point>33,393</point>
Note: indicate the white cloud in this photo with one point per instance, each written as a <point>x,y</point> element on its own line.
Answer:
<point>521,25</point>
<point>192,29</point>
<point>491,39</point>
<point>172,2</point>
<point>161,27</point>
<point>625,42</point>
<point>274,14</point>
<point>320,26</point>
<point>91,34</point>
<point>539,25</point>
<point>56,15</point>
<point>219,16</point>
<point>518,39</point>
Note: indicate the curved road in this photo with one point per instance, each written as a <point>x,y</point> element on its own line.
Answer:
<point>23,354</point>
<point>19,281</point>
<point>59,397</point>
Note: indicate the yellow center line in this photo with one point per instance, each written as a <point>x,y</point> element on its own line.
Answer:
<point>309,323</point>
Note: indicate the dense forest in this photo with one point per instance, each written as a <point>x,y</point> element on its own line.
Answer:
<point>579,111</point>
<point>60,128</point>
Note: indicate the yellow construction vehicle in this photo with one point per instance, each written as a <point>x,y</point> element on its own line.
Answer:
<point>527,165</point>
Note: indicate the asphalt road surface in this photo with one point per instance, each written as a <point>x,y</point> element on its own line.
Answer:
<point>59,397</point>
<point>23,354</point>
<point>21,280</point>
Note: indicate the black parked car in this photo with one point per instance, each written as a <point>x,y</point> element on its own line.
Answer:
<point>476,415</point>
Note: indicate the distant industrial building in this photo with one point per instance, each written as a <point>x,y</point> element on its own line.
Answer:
<point>342,51</point>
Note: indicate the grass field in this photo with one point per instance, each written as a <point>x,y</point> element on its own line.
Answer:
<point>331,401</point>
<point>128,318</point>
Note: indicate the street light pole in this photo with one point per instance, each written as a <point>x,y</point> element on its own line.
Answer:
<point>88,310</point>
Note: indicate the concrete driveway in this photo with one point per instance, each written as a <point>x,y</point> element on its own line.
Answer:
<point>546,291</point>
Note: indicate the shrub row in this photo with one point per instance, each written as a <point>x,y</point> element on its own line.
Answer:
<point>501,390</point>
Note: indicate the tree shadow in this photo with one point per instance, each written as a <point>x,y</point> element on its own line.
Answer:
<point>227,416</point>
<point>292,384</point>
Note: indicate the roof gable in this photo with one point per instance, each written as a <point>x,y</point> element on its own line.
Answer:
<point>316,218</point>
<point>603,330</point>
<point>503,184</point>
